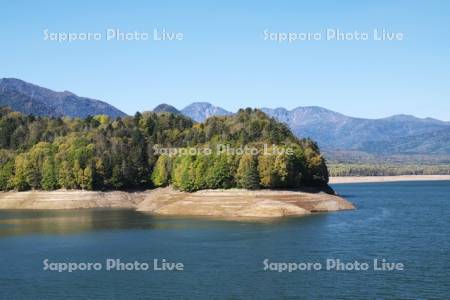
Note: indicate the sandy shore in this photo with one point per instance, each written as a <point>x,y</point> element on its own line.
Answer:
<point>355,179</point>
<point>233,203</point>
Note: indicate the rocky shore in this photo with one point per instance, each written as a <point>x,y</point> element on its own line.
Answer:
<point>233,203</point>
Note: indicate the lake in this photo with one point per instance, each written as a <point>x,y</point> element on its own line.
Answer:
<point>403,223</point>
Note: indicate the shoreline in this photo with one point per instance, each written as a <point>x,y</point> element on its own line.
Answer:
<point>228,204</point>
<point>398,178</point>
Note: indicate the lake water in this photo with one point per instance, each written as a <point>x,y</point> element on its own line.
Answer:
<point>406,223</point>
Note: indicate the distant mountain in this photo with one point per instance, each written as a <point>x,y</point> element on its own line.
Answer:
<point>32,99</point>
<point>200,111</point>
<point>399,134</point>
<point>166,108</point>
<point>333,130</point>
<point>437,142</point>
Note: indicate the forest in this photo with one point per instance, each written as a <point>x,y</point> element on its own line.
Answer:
<point>100,153</point>
<point>387,169</point>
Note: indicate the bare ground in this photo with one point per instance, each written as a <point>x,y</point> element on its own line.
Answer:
<point>233,203</point>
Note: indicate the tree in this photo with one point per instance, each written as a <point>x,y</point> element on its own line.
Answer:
<point>101,153</point>
<point>117,181</point>
<point>87,182</point>
<point>33,175</point>
<point>183,173</point>
<point>66,178</point>
<point>19,180</point>
<point>268,176</point>
<point>286,173</point>
<point>102,119</point>
<point>201,167</point>
<point>220,172</point>
<point>6,172</point>
<point>161,172</point>
<point>247,173</point>
<point>316,170</point>
<point>78,174</point>
<point>49,179</point>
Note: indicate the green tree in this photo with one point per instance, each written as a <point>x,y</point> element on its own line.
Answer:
<point>33,176</point>
<point>201,167</point>
<point>286,173</point>
<point>78,174</point>
<point>183,173</point>
<point>220,172</point>
<point>247,173</point>
<point>99,153</point>
<point>6,172</point>
<point>66,178</point>
<point>116,179</point>
<point>19,180</point>
<point>49,179</point>
<point>161,172</point>
<point>268,176</point>
<point>87,182</point>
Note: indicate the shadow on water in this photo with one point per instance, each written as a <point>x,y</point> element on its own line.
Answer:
<point>24,222</point>
<point>64,222</point>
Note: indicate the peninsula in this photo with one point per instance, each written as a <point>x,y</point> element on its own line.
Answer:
<point>244,165</point>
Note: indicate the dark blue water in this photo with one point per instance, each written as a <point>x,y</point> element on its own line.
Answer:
<point>400,222</point>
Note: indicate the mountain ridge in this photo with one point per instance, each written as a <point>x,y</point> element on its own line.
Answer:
<point>337,131</point>
<point>332,130</point>
<point>29,98</point>
<point>200,111</point>
<point>164,107</point>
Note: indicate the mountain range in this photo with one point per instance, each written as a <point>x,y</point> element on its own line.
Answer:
<point>28,98</point>
<point>333,130</point>
<point>398,134</point>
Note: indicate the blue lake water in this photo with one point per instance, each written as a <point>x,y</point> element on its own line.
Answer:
<point>406,223</point>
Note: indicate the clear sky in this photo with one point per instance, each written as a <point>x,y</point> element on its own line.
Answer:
<point>224,58</point>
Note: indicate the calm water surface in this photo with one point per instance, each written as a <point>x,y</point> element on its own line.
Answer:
<point>401,222</point>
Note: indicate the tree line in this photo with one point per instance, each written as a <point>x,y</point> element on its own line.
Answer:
<point>100,153</point>
<point>388,169</point>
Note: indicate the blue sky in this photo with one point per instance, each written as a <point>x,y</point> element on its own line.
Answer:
<point>225,60</point>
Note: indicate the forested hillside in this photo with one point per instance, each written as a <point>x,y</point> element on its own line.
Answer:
<point>387,169</point>
<point>98,153</point>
